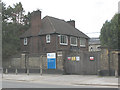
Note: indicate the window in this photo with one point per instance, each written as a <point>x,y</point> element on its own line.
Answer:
<point>82,42</point>
<point>47,38</point>
<point>98,48</point>
<point>63,40</point>
<point>73,41</point>
<point>91,49</point>
<point>25,41</point>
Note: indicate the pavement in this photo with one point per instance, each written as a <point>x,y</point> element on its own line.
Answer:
<point>59,79</point>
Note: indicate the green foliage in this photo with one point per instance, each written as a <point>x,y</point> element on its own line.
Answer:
<point>11,42</point>
<point>110,33</point>
<point>14,23</point>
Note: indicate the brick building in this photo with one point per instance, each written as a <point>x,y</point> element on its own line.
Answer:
<point>51,35</point>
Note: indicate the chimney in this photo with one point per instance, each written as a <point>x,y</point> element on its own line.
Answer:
<point>71,22</point>
<point>36,18</point>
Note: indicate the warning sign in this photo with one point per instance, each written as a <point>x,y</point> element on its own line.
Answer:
<point>77,58</point>
<point>69,58</point>
<point>91,58</point>
<point>73,58</point>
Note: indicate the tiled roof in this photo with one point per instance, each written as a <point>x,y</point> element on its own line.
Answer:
<point>52,25</point>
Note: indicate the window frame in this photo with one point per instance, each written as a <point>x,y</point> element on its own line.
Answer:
<point>81,40</point>
<point>71,41</point>
<point>66,40</point>
<point>48,38</point>
<point>25,41</point>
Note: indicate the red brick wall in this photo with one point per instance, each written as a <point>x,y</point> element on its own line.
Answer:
<point>47,47</point>
<point>55,44</point>
<point>25,47</point>
<point>36,19</point>
<point>39,45</point>
<point>32,45</point>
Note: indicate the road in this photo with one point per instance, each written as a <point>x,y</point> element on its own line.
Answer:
<point>20,84</point>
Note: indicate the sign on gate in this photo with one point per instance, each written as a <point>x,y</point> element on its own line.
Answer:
<point>51,60</point>
<point>69,58</point>
<point>77,58</point>
<point>91,58</point>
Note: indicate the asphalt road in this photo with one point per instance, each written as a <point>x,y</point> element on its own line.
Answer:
<point>16,84</point>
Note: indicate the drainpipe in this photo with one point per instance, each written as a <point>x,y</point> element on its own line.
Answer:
<point>56,43</point>
<point>56,48</point>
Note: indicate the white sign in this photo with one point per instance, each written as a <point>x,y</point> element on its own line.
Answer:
<point>77,58</point>
<point>91,58</point>
<point>51,55</point>
<point>69,58</point>
<point>59,55</point>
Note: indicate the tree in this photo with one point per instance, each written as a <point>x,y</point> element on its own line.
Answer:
<point>4,15</point>
<point>110,33</point>
<point>13,25</point>
<point>27,19</point>
<point>18,12</point>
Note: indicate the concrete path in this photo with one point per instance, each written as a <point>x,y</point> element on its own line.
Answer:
<point>65,79</point>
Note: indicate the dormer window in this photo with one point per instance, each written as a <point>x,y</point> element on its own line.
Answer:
<point>47,38</point>
<point>25,41</point>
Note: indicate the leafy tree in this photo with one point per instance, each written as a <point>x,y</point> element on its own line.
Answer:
<point>15,13</point>
<point>4,15</point>
<point>11,41</point>
<point>13,25</point>
<point>110,33</point>
<point>27,19</point>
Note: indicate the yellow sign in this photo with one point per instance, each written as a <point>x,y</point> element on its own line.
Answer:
<point>73,58</point>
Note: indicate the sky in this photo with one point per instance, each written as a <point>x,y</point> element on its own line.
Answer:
<point>89,15</point>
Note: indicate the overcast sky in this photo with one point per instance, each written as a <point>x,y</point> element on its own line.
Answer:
<point>89,15</point>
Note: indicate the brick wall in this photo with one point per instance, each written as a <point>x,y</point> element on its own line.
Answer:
<point>55,44</point>
<point>109,63</point>
<point>37,44</point>
<point>113,60</point>
<point>104,59</point>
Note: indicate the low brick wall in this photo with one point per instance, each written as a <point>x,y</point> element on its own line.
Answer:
<point>100,65</point>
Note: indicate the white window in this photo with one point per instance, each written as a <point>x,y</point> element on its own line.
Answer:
<point>82,42</point>
<point>25,41</point>
<point>47,38</point>
<point>63,40</point>
<point>73,41</point>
